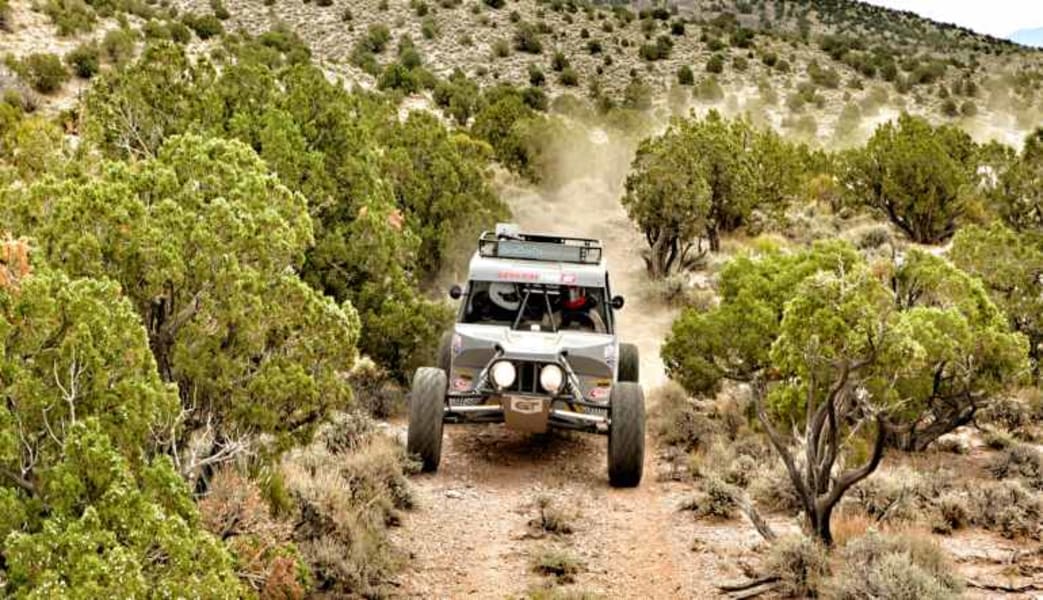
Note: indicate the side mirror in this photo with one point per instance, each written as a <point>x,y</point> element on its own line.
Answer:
<point>617,302</point>
<point>456,292</point>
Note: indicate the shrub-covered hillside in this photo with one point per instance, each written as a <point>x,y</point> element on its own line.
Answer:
<point>815,68</point>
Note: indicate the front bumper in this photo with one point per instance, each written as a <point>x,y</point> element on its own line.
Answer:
<point>557,418</point>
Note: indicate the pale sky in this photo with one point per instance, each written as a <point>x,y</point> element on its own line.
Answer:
<point>995,17</point>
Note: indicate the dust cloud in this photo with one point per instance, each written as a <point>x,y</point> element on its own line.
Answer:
<point>584,174</point>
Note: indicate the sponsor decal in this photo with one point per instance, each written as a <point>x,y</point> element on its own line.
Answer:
<point>461,384</point>
<point>600,393</point>
<point>568,278</point>
<point>518,275</point>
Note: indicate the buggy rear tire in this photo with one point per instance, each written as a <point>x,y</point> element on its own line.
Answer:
<point>629,363</point>
<point>426,413</point>
<point>626,435</point>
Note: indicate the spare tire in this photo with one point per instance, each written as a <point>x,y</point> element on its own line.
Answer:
<point>629,363</point>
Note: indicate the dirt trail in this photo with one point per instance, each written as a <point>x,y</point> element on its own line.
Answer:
<point>469,536</point>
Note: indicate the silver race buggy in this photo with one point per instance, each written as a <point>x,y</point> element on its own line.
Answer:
<point>535,347</point>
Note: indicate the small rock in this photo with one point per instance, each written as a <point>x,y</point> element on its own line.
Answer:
<point>454,494</point>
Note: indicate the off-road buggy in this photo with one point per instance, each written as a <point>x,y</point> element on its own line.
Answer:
<point>534,346</point>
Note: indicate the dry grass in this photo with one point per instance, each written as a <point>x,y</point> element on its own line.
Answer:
<point>801,563</point>
<point>552,592</point>
<point>908,566</point>
<point>849,525</point>
<point>1008,508</point>
<point>235,511</point>
<point>1020,461</point>
<point>717,499</point>
<point>559,563</point>
<point>348,491</point>
<point>376,392</point>
<point>552,518</point>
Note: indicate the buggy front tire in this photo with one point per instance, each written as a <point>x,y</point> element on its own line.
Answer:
<point>626,435</point>
<point>426,412</point>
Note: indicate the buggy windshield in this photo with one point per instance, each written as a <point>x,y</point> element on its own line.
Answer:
<point>536,306</point>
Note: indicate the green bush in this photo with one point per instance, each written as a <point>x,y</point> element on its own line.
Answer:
<point>45,72</point>
<point>717,499</point>
<point>118,45</point>
<point>742,38</point>
<point>376,38</point>
<point>685,76</point>
<point>205,26</point>
<point>85,60</point>
<point>916,175</point>
<point>179,32</point>
<point>97,509</point>
<point>429,28</point>
<point>399,77</point>
<point>220,11</point>
<point>637,95</point>
<point>709,90</point>
<point>569,77</point>
<point>826,77</point>
<point>536,76</point>
<point>659,50</point>
<point>154,30</point>
<point>559,62</point>
<point>526,39</point>
<point>715,64</point>
<point>70,16</point>
<point>5,15</point>
<point>503,122</point>
<point>501,49</point>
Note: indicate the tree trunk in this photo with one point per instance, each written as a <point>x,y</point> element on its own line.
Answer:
<point>918,439</point>
<point>658,256</point>
<point>821,527</point>
<point>714,236</point>
<point>159,338</point>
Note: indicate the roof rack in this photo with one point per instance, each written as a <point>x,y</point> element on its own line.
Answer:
<point>508,242</point>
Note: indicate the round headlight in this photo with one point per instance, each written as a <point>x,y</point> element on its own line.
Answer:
<point>503,374</point>
<point>551,377</point>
